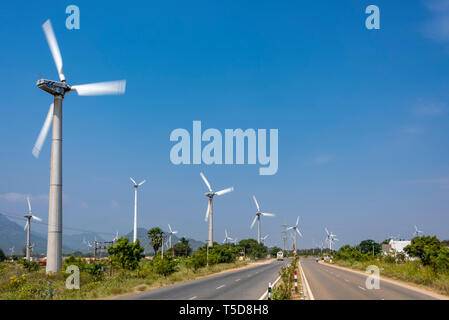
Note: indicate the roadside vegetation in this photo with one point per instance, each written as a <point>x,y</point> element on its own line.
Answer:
<point>125,270</point>
<point>285,289</point>
<point>424,262</point>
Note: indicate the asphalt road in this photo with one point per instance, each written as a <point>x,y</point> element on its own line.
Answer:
<point>328,283</point>
<point>244,284</point>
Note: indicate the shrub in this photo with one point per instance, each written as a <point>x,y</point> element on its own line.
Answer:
<point>125,254</point>
<point>197,260</point>
<point>165,266</point>
<point>29,266</point>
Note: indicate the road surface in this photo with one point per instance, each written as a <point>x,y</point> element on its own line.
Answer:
<point>329,283</point>
<point>244,284</point>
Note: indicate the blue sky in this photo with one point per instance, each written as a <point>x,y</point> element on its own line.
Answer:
<point>362,115</point>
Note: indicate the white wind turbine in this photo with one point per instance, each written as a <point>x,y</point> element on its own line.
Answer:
<point>264,238</point>
<point>136,186</point>
<point>27,227</point>
<point>11,250</point>
<point>116,236</point>
<point>330,238</point>
<point>227,237</point>
<point>418,232</point>
<point>209,211</point>
<point>257,218</point>
<point>54,117</point>
<point>170,235</point>
<point>295,230</point>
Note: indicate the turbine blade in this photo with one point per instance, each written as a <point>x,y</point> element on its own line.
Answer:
<point>299,232</point>
<point>169,227</point>
<point>326,231</point>
<point>100,88</point>
<point>297,221</point>
<point>254,221</point>
<point>54,48</point>
<point>43,133</point>
<point>207,212</point>
<point>141,183</point>
<point>205,181</point>
<point>175,232</point>
<point>36,218</point>
<point>29,205</point>
<point>224,191</point>
<point>133,181</point>
<point>257,204</point>
<point>266,214</point>
<point>289,228</point>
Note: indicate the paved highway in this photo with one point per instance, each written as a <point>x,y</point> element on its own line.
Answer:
<point>244,284</point>
<point>329,283</point>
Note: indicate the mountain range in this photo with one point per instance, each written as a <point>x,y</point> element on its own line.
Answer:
<point>12,235</point>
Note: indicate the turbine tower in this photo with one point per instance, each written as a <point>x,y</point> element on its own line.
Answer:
<point>58,89</point>
<point>29,216</point>
<point>296,230</point>
<point>257,218</point>
<point>209,211</point>
<point>136,186</point>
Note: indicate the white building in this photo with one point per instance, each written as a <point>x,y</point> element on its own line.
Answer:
<point>395,247</point>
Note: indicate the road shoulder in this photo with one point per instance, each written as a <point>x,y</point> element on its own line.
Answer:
<point>407,285</point>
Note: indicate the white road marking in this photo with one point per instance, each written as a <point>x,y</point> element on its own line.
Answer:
<point>237,280</point>
<point>362,288</point>
<point>192,298</point>
<point>220,287</point>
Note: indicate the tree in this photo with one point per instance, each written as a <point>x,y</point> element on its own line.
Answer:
<point>182,248</point>
<point>426,248</point>
<point>156,238</point>
<point>253,249</point>
<point>127,255</point>
<point>2,255</point>
<point>274,251</point>
<point>164,266</point>
<point>368,246</point>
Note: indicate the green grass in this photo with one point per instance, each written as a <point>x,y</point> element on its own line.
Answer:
<point>410,271</point>
<point>39,285</point>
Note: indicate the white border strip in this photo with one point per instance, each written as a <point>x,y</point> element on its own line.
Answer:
<point>266,292</point>
<point>306,283</point>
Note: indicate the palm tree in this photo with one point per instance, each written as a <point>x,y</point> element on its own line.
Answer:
<point>156,236</point>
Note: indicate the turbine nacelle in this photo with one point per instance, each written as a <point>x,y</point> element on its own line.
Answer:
<point>53,87</point>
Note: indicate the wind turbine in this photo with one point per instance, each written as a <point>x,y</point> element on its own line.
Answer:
<point>54,116</point>
<point>264,238</point>
<point>227,237</point>
<point>27,227</point>
<point>417,232</point>
<point>209,211</point>
<point>136,186</point>
<point>11,250</point>
<point>295,230</point>
<point>169,238</point>
<point>330,238</point>
<point>257,218</point>
<point>116,236</point>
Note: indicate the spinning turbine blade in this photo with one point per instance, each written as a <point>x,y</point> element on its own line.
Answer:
<point>29,205</point>
<point>141,183</point>
<point>54,48</point>
<point>254,221</point>
<point>326,231</point>
<point>133,181</point>
<point>219,193</point>
<point>297,221</point>
<point>100,88</point>
<point>36,218</point>
<point>43,134</point>
<point>299,232</point>
<point>169,227</point>
<point>206,182</point>
<point>266,214</point>
<point>257,204</point>
<point>207,212</point>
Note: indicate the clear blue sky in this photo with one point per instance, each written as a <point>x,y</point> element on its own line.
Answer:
<point>362,115</point>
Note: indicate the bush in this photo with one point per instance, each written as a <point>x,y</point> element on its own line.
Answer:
<point>29,266</point>
<point>165,266</point>
<point>197,260</point>
<point>125,254</point>
<point>284,290</point>
<point>72,260</point>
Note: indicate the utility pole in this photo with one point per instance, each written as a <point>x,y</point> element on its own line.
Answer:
<point>99,246</point>
<point>284,236</point>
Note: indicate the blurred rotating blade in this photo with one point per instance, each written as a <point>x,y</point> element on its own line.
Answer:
<point>43,134</point>
<point>257,203</point>
<point>299,232</point>
<point>266,214</point>
<point>100,88</point>
<point>207,212</point>
<point>36,218</point>
<point>29,205</point>
<point>221,192</point>
<point>205,181</point>
<point>54,48</point>
<point>254,221</point>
